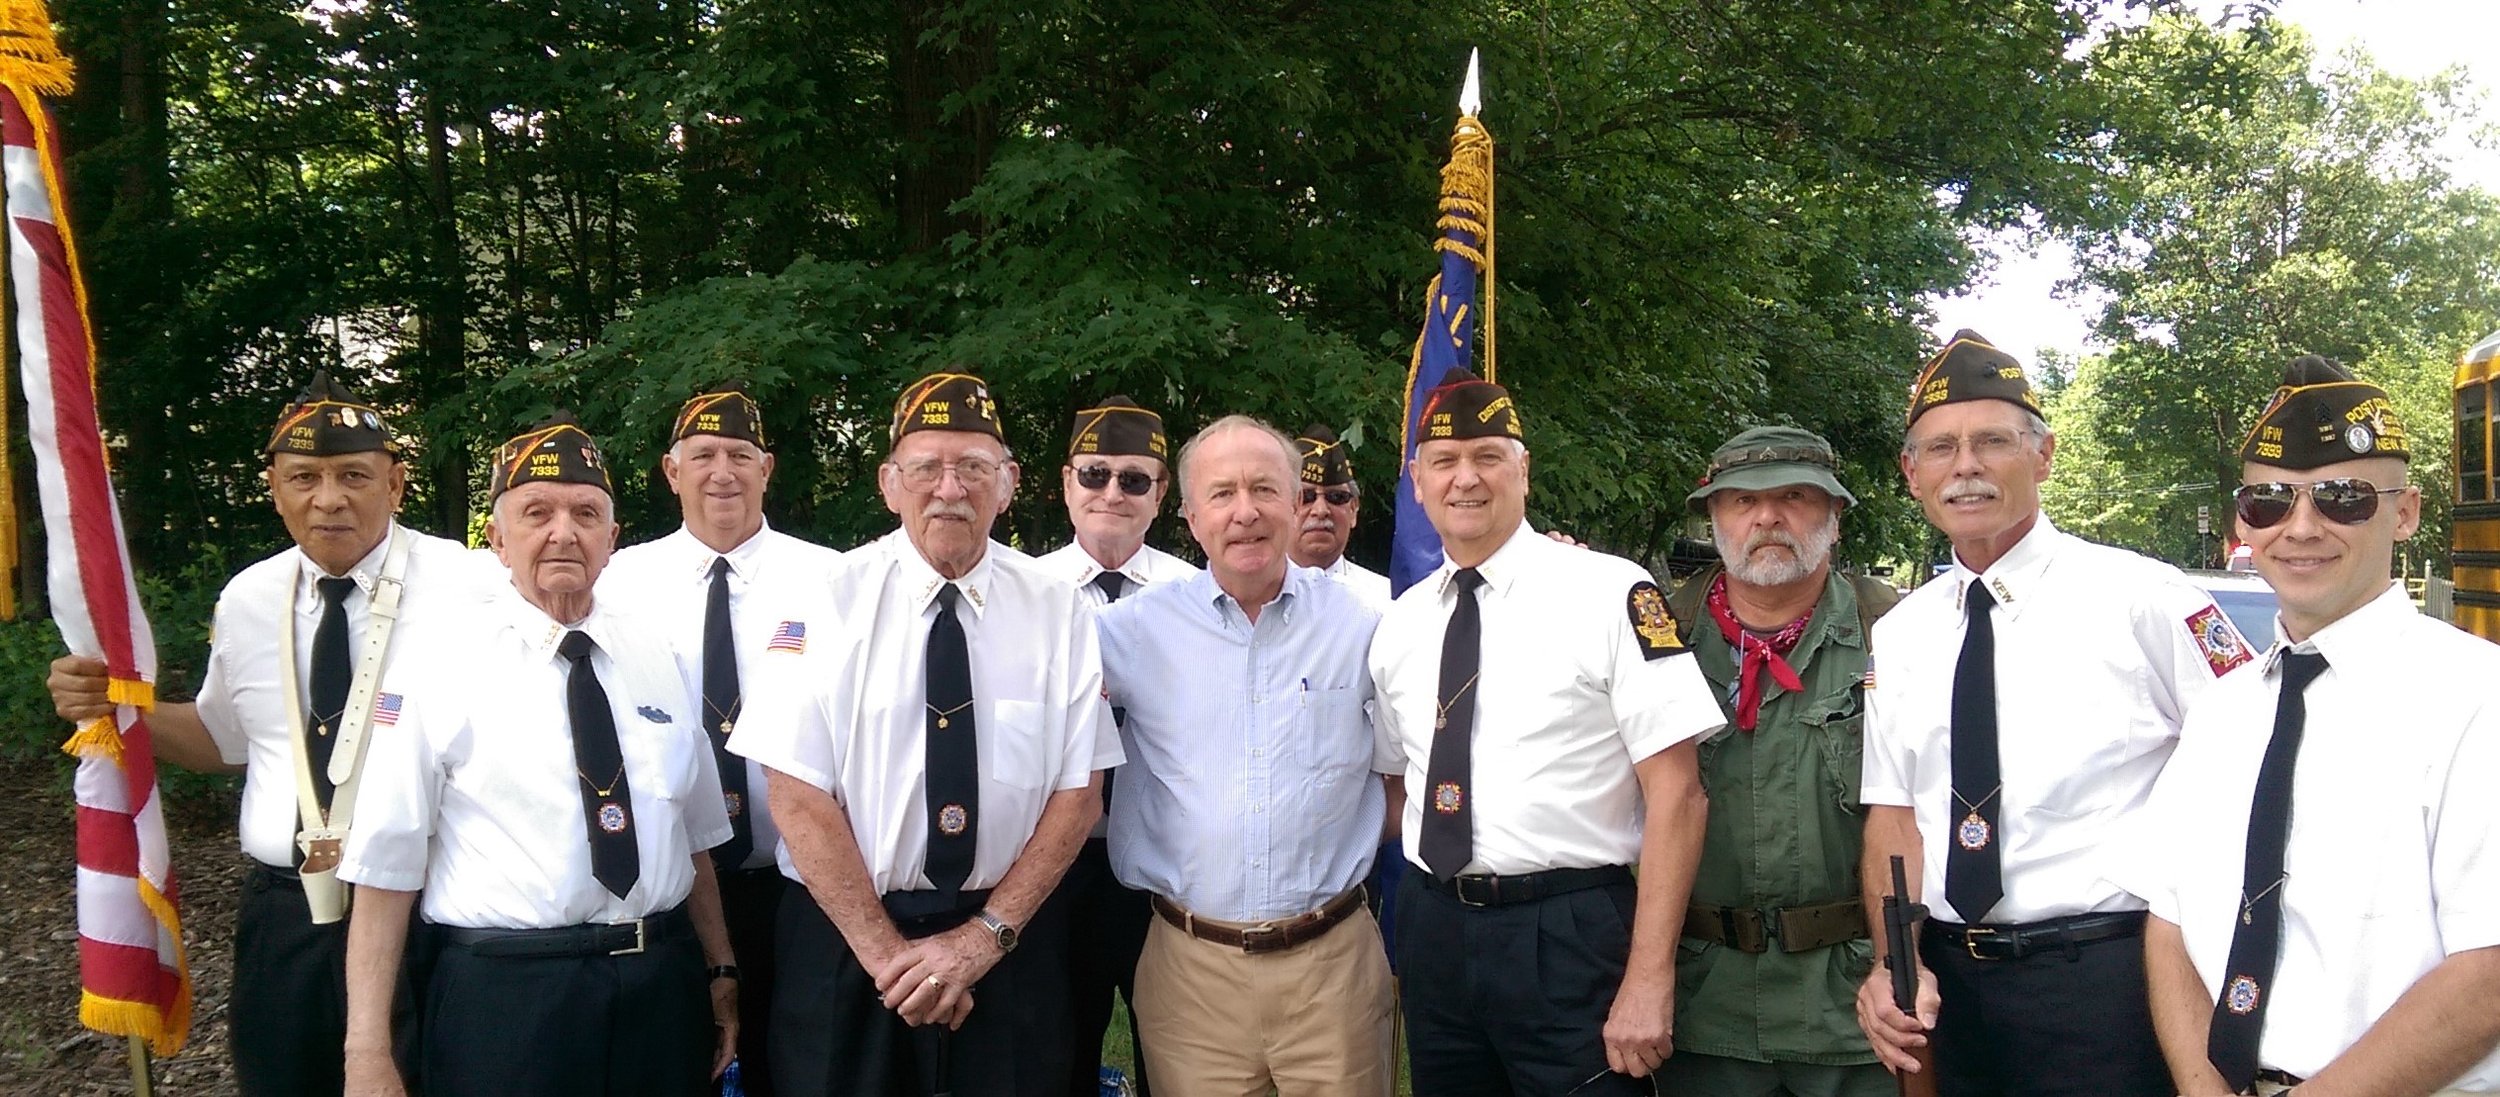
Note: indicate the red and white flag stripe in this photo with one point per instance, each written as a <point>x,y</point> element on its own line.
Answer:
<point>136,982</point>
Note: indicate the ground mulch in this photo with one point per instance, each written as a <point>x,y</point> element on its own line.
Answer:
<point>43,1049</point>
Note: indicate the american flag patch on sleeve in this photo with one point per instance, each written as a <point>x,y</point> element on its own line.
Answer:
<point>790,637</point>
<point>386,709</point>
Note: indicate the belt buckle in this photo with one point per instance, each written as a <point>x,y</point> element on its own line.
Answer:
<point>1492,890</point>
<point>636,949</point>
<point>1987,943</point>
<point>1264,937</point>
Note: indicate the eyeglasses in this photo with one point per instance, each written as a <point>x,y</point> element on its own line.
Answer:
<point>2347,501</point>
<point>1990,446</point>
<point>1337,497</point>
<point>927,475</point>
<point>1132,482</point>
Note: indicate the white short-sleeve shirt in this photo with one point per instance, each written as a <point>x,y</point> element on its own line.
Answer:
<point>842,703</point>
<point>241,701</point>
<point>1144,568</point>
<point>471,791</point>
<point>670,581</point>
<point>1368,585</point>
<point>1568,699</point>
<point>2393,862</point>
<point>2098,652</point>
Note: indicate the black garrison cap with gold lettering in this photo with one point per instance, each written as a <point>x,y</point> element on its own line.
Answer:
<point>1468,406</point>
<point>1969,368</point>
<point>1117,428</point>
<point>326,420</point>
<point>555,451</point>
<point>726,410</point>
<point>2322,415</point>
<point>945,401</point>
<point>1324,461</point>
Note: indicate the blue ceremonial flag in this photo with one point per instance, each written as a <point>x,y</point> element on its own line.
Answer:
<point>1451,318</point>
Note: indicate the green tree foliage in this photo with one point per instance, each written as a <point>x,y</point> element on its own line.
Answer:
<point>2318,216</point>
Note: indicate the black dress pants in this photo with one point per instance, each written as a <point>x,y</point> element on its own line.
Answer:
<point>1106,933</point>
<point>2066,1022</point>
<point>1511,1001</point>
<point>750,901</point>
<point>286,1019</point>
<point>833,1037</point>
<point>638,1025</point>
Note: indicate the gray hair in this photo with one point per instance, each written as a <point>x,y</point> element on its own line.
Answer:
<point>1230,424</point>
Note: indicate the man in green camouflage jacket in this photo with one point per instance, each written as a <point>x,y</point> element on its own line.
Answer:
<point>1775,942</point>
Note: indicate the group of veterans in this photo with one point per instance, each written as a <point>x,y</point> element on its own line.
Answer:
<point>917,817</point>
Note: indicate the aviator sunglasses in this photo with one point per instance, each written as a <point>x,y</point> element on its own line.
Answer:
<point>1132,482</point>
<point>2346,501</point>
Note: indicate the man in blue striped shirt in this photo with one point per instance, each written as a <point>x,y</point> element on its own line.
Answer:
<point>1255,799</point>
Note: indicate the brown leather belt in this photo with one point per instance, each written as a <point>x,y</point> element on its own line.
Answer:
<point>1794,929</point>
<point>1275,936</point>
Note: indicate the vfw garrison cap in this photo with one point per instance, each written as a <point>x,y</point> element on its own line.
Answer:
<point>325,420</point>
<point>1468,406</point>
<point>945,401</point>
<point>1324,461</point>
<point>726,410</point>
<point>1117,428</point>
<point>1969,368</point>
<point>556,451</point>
<point>2321,415</point>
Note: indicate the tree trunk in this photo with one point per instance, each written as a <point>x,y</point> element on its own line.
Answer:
<point>442,323</point>
<point>943,154</point>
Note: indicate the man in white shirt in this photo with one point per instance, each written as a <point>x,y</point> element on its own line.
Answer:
<point>1114,483</point>
<point>719,585</point>
<point>2021,705</point>
<point>1329,501</point>
<point>934,729</point>
<point>290,631</point>
<point>2322,854</point>
<point>1546,720</point>
<point>538,775</point>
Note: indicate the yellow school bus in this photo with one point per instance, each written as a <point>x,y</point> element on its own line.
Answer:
<point>2475,551</point>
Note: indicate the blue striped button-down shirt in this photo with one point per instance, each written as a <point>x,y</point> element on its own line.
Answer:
<point>1252,787</point>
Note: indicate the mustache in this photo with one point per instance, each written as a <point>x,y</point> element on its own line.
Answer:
<point>1310,524</point>
<point>1968,487</point>
<point>1770,537</point>
<point>962,511</point>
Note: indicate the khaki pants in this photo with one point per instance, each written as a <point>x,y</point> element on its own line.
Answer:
<point>1312,1021</point>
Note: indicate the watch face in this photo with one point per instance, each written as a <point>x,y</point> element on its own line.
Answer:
<point>1007,937</point>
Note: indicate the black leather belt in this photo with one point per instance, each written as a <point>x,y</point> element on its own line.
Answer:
<point>1488,890</point>
<point>597,939</point>
<point>2283,1078</point>
<point>264,876</point>
<point>2013,942</point>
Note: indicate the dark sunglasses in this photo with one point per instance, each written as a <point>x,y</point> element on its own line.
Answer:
<point>2345,502</point>
<point>1337,497</point>
<point>1132,482</point>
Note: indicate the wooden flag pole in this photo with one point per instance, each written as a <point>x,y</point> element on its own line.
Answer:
<point>141,1082</point>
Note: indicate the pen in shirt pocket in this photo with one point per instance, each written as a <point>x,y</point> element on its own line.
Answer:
<point>1306,693</point>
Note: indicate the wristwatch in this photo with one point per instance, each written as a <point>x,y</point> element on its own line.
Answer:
<point>722,971</point>
<point>1002,933</point>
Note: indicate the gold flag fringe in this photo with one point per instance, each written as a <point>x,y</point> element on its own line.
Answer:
<point>1466,206</point>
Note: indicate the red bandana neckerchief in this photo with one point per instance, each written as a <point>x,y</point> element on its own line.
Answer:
<point>1757,653</point>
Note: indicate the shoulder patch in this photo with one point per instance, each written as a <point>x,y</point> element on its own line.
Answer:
<point>1650,621</point>
<point>2221,642</point>
<point>657,716</point>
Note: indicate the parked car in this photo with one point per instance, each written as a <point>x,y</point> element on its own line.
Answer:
<point>2246,598</point>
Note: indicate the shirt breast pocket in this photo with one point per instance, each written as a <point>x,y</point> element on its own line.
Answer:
<point>1330,733</point>
<point>1839,729</point>
<point>1015,747</point>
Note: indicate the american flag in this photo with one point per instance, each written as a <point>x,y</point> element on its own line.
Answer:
<point>790,637</point>
<point>386,709</point>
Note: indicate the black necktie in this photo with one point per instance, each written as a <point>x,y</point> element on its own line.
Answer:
<point>1111,584</point>
<point>607,800</point>
<point>954,781</point>
<point>2240,1013</point>
<point>1974,878</point>
<point>330,672</point>
<point>720,705</point>
<point>1449,838</point>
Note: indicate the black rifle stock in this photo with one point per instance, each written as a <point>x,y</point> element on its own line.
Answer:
<point>1901,957</point>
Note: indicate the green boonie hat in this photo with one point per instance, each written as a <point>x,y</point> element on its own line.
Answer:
<point>2322,415</point>
<point>1770,457</point>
